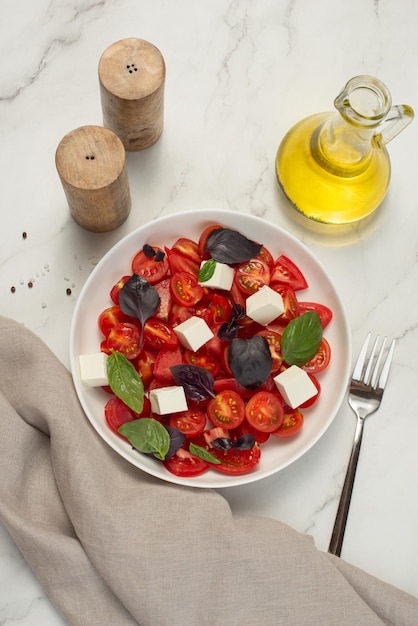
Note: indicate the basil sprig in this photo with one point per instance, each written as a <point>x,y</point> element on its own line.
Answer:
<point>148,436</point>
<point>301,339</point>
<point>124,381</point>
<point>207,270</point>
<point>203,454</point>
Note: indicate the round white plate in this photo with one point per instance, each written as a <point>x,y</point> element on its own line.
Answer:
<point>85,337</point>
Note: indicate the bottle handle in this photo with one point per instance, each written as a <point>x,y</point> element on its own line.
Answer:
<point>397,119</point>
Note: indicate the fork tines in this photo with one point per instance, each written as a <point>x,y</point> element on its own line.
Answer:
<point>373,371</point>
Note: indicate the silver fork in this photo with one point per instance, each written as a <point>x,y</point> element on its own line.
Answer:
<point>365,395</point>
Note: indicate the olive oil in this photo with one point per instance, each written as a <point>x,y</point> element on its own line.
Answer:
<point>324,174</point>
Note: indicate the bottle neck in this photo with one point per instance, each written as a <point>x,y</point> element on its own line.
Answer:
<point>342,148</point>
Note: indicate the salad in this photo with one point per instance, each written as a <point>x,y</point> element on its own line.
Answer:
<point>233,402</point>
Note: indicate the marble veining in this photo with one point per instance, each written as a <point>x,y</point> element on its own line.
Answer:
<point>239,75</point>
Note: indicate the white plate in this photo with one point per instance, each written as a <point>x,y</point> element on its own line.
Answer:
<point>94,298</point>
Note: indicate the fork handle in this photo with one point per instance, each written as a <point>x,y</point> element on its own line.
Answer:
<point>345,499</point>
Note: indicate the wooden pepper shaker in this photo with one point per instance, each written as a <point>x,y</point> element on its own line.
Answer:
<point>132,78</point>
<point>91,163</point>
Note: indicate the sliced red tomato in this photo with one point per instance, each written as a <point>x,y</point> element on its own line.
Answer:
<point>159,335</point>
<point>226,410</point>
<point>185,289</point>
<point>144,365</point>
<point>321,359</point>
<point>245,428</point>
<point>179,314</point>
<point>191,422</point>
<point>264,411</point>
<point>117,413</point>
<point>201,246</point>
<point>252,275</point>
<point>292,423</point>
<point>180,263</point>
<point>185,464</point>
<point>274,341</point>
<point>218,306</point>
<point>266,256</point>
<point>312,400</point>
<point>188,248</point>
<point>110,317</point>
<point>288,273</point>
<point>215,346</point>
<point>164,361</point>
<point>125,338</point>
<point>115,291</point>
<point>153,269</point>
<point>237,461</point>
<point>163,290</point>
<point>237,296</point>
<point>225,383</point>
<point>202,358</point>
<point>290,302</point>
<point>324,312</point>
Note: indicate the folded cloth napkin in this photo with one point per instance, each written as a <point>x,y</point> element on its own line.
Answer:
<point>114,546</point>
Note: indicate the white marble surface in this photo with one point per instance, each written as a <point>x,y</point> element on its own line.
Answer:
<point>239,74</point>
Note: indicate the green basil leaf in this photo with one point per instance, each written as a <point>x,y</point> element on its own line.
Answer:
<point>203,454</point>
<point>207,270</point>
<point>148,436</point>
<point>124,381</point>
<point>301,339</point>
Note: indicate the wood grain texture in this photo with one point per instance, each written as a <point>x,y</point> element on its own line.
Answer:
<point>132,80</point>
<point>91,163</point>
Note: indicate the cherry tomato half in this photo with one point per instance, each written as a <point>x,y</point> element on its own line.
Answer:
<point>110,317</point>
<point>183,463</point>
<point>201,246</point>
<point>290,303</point>
<point>226,410</point>
<point>320,360</point>
<point>252,275</point>
<point>324,312</point>
<point>292,423</point>
<point>181,263</point>
<point>115,291</point>
<point>117,413</point>
<point>285,271</point>
<point>125,338</point>
<point>158,335</point>
<point>191,422</point>
<point>237,461</point>
<point>148,267</point>
<point>185,289</point>
<point>202,358</point>
<point>274,341</point>
<point>312,400</point>
<point>264,411</point>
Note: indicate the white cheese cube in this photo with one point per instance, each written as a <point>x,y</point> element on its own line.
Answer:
<point>168,400</point>
<point>264,305</point>
<point>193,333</point>
<point>93,370</point>
<point>295,386</point>
<point>222,277</point>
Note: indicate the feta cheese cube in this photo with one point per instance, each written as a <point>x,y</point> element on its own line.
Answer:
<point>93,370</point>
<point>222,277</point>
<point>295,386</point>
<point>264,305</point>
<point>193,333</point>
<point>168,400</point>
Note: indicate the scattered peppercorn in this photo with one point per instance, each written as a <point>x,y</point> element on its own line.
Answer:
<point>68,292</point>
<point>13,289</point>
<point>24,235</point>
<point>30,284</point>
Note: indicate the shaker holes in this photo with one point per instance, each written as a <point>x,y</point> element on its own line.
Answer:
<point>131,68</point>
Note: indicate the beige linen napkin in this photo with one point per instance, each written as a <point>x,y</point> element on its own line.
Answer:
<point>114,546</point>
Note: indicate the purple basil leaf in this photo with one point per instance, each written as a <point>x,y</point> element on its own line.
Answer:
<point>139,299</point>
<point>197,382</point>
<point>148,251</point>
<point>222,443</point>
<point>159,255</point>
<point>250,361</point>
<point>177,439</point>
<point>229,330</point>
<point>245,442</point>
<point>226,245</point>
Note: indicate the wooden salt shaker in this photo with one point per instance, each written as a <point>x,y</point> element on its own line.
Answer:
<point>132,78</point>
<point>91,163</point>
